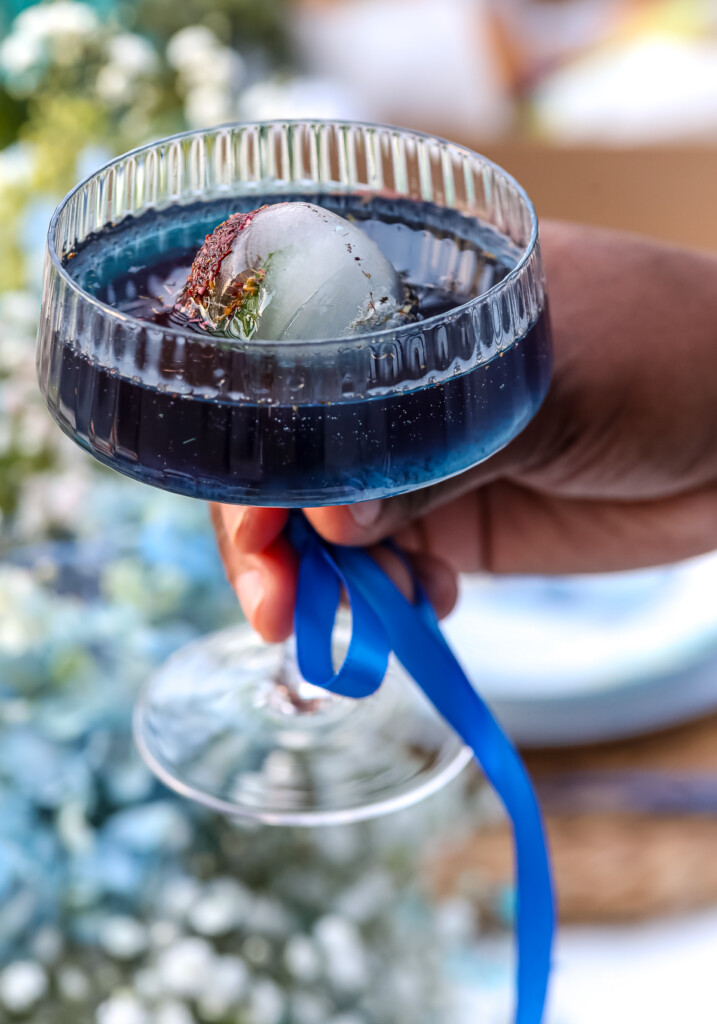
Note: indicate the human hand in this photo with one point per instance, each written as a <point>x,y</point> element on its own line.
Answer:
<point>618,469</point>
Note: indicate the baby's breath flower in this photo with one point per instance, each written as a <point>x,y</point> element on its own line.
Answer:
<point>190,47</point>
<point>15,165</point>
<point>57,21</point>
<point>122,1008</point>
<point>225,70</point>
<point>133,53</point>
<point>73,984</point>
<point>20,53</point>
<point>266,1002</point>
<point>22,984</point>
<point>114,85</point>
<point>173,1012</point>
<point>207,105</point>
<point>210,75</point>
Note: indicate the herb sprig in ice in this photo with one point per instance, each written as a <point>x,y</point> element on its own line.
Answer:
<point>292,271</point>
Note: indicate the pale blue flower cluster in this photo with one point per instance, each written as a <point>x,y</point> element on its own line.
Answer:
<point>122,904</point>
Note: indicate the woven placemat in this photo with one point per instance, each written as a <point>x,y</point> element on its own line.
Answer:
<point>632,828</point>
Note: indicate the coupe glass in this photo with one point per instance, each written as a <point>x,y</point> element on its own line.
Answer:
<point>228,720</point>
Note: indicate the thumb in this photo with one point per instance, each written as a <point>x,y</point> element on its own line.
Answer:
<point>368,522</point>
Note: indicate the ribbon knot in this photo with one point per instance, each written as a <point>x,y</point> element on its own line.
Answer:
<point>382,619</point>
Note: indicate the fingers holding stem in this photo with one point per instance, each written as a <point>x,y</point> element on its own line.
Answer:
<point>262,568</point>
<point>260,565</point>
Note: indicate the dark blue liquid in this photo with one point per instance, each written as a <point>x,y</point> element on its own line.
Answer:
<point>290,455</point>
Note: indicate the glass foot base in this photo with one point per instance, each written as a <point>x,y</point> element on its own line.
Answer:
<point>227,721</point>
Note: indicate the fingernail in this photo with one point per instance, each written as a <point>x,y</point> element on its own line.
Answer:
<point>366,513</point>
<point>250,590</point>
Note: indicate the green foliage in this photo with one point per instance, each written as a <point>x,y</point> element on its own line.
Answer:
<point>12,265</point>
<point>244,24</point>
<point>13,113</point>
<point>16,465</point>
<point>59,126</point>
<point>80,81</point>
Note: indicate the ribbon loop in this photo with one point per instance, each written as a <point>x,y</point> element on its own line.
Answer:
<point>317,600</point>
<point>383,619</point>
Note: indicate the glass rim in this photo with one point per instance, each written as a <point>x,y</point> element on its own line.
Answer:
<point>360,340</point>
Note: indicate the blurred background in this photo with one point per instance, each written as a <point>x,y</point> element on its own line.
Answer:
<point>119,903</point>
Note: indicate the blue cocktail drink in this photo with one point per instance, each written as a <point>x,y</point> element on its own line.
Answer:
<point>364,422</point>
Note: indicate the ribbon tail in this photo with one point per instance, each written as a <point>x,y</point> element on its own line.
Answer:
<point>415,636</point>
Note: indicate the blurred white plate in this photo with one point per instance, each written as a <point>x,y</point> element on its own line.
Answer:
<point>579,659</point>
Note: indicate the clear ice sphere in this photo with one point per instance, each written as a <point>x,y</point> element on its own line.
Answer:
<point>324,277</point>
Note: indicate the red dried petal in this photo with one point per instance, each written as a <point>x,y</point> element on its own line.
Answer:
<point>208,261</point>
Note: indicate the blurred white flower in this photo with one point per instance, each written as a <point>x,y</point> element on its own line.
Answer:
<point>146,984</point>
<point>163,933</point>
<point>206,106</point>
<point>223,904</point>
<point>225,984</point>
<point>257,951</point>
<point>179,894</point>
<point>114,85</point>
<point>133,53</point>
<point>73,984</point>
<point>183,968</point>
<point>189,48</point>
<point>35,436</point>
<point>20,53</point>
<point>266,1002</point>
<point>122,1008</point>
<point>52,500</point>
<point>22,984</point>
<point>309,1008</point>
<point>367,896</point>
<point>210,75</point>
<point>123,937</point>
<point>456,921</point>
<point>73,828</point>
<point>19,600</point>
<point>59,30</point>
<point>130,59</point>
<point>269,917</point>
<point>226,68</point>
<point>346,964</point>
<point>15,164</point>
<point>173,1013</point>
<point>62,19</point>
<point>302,959</point>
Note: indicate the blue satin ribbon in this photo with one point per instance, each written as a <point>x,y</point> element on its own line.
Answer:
<point>383,620</point>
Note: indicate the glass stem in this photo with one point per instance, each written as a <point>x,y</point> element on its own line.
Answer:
<point>292,694</point>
